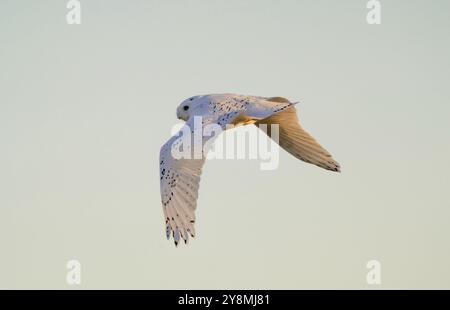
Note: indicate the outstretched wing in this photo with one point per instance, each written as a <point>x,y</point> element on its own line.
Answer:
<point>294,139</point>
<point>179,181</point>
<point>181,162</point>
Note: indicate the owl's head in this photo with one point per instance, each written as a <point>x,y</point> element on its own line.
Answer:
<point>187,107</point>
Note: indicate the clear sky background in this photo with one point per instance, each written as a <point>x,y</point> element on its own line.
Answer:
<point>85,108</point>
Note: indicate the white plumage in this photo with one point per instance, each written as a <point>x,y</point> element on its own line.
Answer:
<point>180,178</point>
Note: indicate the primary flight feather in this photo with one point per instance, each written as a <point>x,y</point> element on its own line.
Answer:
<point>180,177</point>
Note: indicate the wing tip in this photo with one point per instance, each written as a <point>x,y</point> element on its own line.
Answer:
<point>332,166</point>
<point>177,235</point>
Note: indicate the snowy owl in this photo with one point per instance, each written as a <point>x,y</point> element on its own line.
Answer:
<point>180,176</point>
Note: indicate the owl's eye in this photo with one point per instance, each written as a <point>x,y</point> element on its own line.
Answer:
<point>186,108</point>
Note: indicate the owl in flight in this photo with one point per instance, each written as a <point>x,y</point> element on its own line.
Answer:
<point>180,177</point>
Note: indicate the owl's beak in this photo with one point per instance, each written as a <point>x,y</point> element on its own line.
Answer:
<point>181,116</point>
